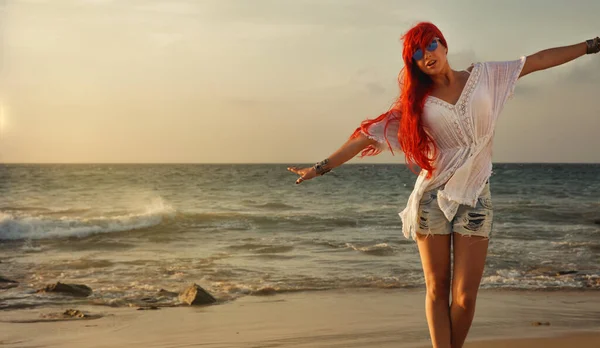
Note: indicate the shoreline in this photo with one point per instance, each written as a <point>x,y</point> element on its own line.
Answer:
<point>332,318</point>
<point>573,338</point>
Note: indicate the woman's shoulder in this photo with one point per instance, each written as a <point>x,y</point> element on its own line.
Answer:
<point>474,66</point>
<point>501,64</point>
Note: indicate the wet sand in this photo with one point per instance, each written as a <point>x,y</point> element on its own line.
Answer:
<point>358,318</point>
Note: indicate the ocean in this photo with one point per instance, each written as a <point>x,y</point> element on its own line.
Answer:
<point>129,230</point>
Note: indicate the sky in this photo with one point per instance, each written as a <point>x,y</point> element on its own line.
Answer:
<point>269,81</point>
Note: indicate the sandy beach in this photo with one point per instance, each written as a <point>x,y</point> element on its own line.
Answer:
<point>362,318</point>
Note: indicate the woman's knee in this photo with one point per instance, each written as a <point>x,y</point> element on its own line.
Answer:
<point>438,288</point>
<point>464,298</point>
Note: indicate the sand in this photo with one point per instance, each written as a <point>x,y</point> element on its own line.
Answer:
<point>357,318</point>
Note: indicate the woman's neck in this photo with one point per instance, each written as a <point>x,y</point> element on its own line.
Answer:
<point>446,77</point>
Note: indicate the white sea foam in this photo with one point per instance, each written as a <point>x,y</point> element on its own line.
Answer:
<point>514,279</point>
<point>377,249</point>
<point>14,226</point>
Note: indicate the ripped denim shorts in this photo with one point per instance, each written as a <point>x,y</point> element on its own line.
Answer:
<point>468,221</point>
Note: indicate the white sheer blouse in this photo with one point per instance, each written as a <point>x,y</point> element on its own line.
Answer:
<point>463,133</point>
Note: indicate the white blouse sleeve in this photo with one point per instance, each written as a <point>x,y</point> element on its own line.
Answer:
<point>502,78</point>
<point>378,132</point>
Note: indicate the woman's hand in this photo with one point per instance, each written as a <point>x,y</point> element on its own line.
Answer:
<point>305,173</point>
<point>345,153</point>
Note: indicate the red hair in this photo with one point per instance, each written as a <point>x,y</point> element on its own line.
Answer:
<point>364,127</point>
<point>418,146</point>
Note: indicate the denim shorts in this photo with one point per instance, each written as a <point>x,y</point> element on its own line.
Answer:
<point>468,221</point>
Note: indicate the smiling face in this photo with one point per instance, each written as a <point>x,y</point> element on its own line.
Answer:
<point>432,59</point>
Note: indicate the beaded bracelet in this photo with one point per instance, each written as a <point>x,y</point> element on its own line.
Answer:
<point>320,167</point>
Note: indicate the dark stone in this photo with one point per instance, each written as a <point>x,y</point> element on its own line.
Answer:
<point>148,308</point>
<point>70,289</point>
<point>195,295</point>
<point>593,283</point>
<point>68,314</point>
<point>149,300</point>
<point>597,221</point>
<point>540,323</point>
<point>7,283</point>
<point>559,273</point>
<point>74,313</point>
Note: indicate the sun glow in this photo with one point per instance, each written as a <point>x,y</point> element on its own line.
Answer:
<point>3,117</point>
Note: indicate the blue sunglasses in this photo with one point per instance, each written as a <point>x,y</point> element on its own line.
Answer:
<point>418,55</point>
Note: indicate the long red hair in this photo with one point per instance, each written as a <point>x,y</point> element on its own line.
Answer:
<point>418,146</point>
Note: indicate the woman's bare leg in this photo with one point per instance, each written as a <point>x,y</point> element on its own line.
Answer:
<point>469,261</point>
<point>435,258</point>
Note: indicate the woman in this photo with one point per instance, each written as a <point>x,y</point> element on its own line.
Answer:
<point>444,121</point>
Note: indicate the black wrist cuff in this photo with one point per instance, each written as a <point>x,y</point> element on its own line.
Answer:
<point>593,45</point>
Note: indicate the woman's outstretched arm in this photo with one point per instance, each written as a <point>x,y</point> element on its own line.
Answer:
<point>345,153</point>
<point>558,55</point>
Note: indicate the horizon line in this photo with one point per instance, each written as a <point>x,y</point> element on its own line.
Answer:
<point>253,163</point>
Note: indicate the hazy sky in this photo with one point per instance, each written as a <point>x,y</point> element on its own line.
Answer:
<point>269,80</point>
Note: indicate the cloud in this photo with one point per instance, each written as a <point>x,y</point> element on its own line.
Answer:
<point>165,39</point>
<point>375,88</point>
<point>462,59</point>
<point>351,13</point>
<point>526,90</point>
<point>587,72</point>
<point>374,82</point>
<point>98,2</point>
<point>573,76</point>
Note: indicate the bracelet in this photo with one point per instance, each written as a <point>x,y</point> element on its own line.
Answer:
<point>320,167</point>
<point>593,45</point>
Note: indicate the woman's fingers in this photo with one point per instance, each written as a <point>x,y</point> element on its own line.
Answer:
<point>299,171</point>
<point>304,173</point>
